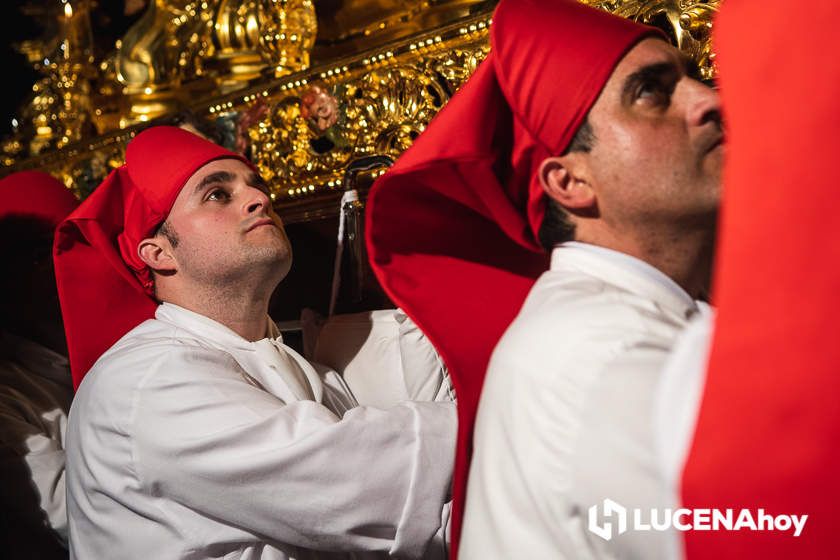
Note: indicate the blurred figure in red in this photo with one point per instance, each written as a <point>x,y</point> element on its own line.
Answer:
<point>35,385</point>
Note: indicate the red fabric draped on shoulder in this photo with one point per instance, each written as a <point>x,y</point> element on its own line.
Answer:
<point>769,425</point>
<point>104,287</point>
<point>452,227</point>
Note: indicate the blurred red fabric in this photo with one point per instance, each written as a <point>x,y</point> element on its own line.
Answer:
<point>769,424</point>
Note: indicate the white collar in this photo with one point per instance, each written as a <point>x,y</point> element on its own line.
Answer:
<point>273,365</point>
<point>626,272</point>
<point>208,328</point>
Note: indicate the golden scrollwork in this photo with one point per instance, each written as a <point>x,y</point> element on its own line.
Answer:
<point>393,107</point>
<point>302,126</point>
<point>687,22</point>
<point>380,111</point>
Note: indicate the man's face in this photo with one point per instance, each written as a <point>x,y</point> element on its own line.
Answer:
<point>658,150</point>
<point>226,228</point>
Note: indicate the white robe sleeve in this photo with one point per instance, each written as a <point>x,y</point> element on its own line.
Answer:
<point>33,420</point>
<point>426,377</point>
<point>32,467</point>
<point>679,395</point>
<point>46,460</point>
<point>296,473</point>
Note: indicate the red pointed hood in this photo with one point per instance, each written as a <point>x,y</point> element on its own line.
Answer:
<point>452,227</point>
<point>34,194</point>
<point>104,287</point>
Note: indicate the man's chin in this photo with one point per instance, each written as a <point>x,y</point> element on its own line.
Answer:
<point>279,262</point>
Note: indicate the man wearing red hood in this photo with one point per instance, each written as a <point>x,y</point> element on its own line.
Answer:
<point>586,136</point>
<point>35,385</point>
<point>195,431</point>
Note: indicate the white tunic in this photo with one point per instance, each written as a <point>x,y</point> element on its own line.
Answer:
<point>383,356</point>
<point>35,395</point>
<point>680,392</point>
<point>187,441</point>
<point>566,414</point>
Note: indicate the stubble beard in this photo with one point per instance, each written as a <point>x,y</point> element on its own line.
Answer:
<point>247,267</point>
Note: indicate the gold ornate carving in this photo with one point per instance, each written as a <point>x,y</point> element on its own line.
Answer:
<point>390,19</point>
<point>253,35</point>
<point>287,34</point>
<point>236,33</point>
<point>147,57</point>
<point>166,48</point>
<point>180,48</point>
<point>303,129</point>
<point>688,22</point>
<point>58,112</point>
<point>381,106</point>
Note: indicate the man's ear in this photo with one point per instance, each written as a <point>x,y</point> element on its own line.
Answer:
<point>564,180</point>
<point>157,254</point>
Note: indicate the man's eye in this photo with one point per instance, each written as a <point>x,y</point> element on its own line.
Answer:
<point>653,92</point>
<point>218,194</point>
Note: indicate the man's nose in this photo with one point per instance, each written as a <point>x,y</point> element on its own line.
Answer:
<point>257,201</point>
<point>704,104</point>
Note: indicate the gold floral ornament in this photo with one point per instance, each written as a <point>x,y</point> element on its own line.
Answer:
<point>687,22</point>
<point>309,140</point>
<point>459,64</point>
<point>393,107</point>
<point>279,143</point>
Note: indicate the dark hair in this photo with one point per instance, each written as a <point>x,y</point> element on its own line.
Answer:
<point>165,229</point>
<point>584,139</point>
<point>556,226</point>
